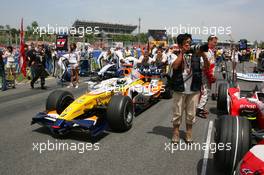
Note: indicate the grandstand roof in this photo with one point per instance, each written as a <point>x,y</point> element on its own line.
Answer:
<point>108,28</point>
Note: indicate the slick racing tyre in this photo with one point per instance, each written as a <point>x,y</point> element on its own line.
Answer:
<point>235,134</point>
<point>120,113</point>
<point>168,93</point>
<point>214,97</point>
<point>59,100</point>
<point>222,102</point>
<point>237,172</point>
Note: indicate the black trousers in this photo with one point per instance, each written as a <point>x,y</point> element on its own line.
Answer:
<point>3,77</point>
<point>39,72</point>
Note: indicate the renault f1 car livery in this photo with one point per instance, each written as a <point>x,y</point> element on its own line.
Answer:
<point>112,102</point>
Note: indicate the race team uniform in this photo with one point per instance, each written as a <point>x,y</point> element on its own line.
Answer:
<point>206,87</point>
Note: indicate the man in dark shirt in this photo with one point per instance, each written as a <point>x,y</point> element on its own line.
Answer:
<point>30,54</point>
<point>2,72</point>
<point>37,64</point>
<point>186,81</point>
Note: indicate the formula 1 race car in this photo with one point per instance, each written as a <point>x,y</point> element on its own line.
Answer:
<point>113,102</point>
<point>112,70</point>
<point>260,63</point>
<point>241,124</point>
<point>252,163</point>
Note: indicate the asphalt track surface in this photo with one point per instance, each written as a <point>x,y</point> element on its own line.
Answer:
<point>141,150</point>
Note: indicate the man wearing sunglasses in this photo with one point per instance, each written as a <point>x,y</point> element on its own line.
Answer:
<point>186,82</point>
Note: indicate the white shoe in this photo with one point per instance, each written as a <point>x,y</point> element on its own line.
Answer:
<point>77,85</point>
<point>70,86</point>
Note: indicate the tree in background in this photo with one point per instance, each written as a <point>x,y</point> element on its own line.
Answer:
<point>255,43</point>
<point>261,44</point>
<point>30,35</point>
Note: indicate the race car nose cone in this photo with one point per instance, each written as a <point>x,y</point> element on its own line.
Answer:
<point>55,127</point>
<point>57,124</point>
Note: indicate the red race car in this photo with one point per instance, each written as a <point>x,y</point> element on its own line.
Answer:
<point>241,124</point>
<point>252,163</point>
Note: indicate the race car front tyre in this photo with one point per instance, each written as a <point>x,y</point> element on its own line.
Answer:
<point>233,135</point>
<point>214,97</point>
<point>167,94</point>
<point>120,113</point>
<point>222,103</point>
<point>237,170</point>
<point>59,100</point>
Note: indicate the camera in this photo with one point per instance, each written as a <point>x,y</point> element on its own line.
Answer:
<point>198,48</point>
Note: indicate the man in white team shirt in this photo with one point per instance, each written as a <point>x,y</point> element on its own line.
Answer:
<point>206,87</point>
<point>145,58</point>
<point>171,57</point>
<point>153,50</point>
<point>172,53</point>
<point>160,57</point>
<point>127,52</point>
<point>118,56</point>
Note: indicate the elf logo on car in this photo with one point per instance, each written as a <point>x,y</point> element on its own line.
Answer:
<point>100,100</point>
<point>77,111</point>
<point>61,42</point>
<point>87,104</point>
<point>67,109</point>
<point>80,101</point>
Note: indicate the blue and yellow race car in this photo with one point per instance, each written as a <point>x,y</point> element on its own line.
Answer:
<point>111,103</point>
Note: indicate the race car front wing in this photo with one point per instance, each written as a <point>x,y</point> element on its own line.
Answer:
<point>60,126</point>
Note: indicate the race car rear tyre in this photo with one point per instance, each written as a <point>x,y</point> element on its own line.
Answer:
<point>168,93</point>
<point>59,100</point>
<point>120,113</point>
<point>214,97</point>
<point>224,75</point>
<point>235,134</point>
<point>222,99</point>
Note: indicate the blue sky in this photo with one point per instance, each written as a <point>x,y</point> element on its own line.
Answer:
<point>244,16</point>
